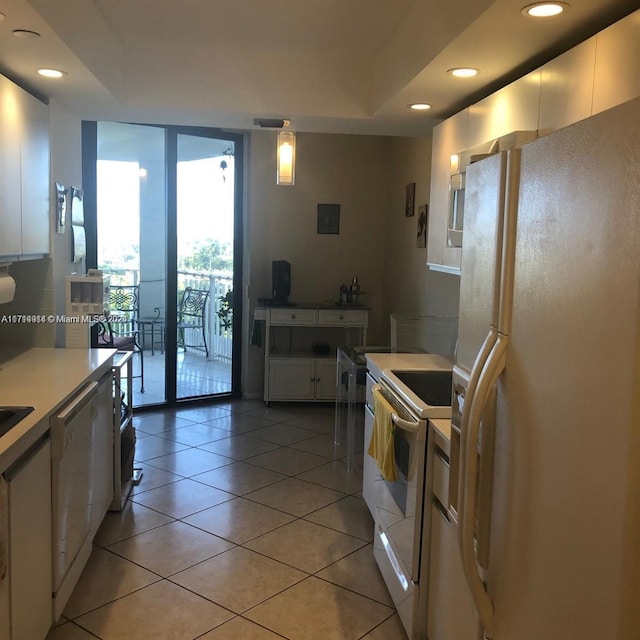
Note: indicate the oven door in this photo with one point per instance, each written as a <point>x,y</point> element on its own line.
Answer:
<point>399,514</point>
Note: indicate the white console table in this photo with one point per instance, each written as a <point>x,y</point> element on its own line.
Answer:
<point>300,349</point>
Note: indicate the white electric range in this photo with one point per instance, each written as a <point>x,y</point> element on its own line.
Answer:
<point>418,387</point>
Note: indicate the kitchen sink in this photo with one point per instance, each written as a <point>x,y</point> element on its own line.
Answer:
<point>432,387</point>
<point>11,416</point>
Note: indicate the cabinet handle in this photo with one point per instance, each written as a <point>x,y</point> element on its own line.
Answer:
<point>341,317</point>
<point>293,316</point>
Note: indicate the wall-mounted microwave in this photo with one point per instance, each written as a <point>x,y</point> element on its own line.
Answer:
<point>456,210</point>
<point>455,226</point>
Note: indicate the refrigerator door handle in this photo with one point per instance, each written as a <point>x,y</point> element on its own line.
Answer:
<point>469,398</point>
<point>486,382</point>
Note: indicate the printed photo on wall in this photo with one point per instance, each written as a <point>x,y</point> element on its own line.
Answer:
<point>328,218</point>
<point>410,200</point>
<point>423,220</point>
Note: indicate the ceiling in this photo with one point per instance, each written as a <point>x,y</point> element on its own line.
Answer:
<point>327,65</point>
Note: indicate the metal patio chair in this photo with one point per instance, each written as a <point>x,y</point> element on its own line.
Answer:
<point>119,329</point>
<point>192,316</point>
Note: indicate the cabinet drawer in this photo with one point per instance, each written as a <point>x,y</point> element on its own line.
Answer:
<point>294,316</point>
<point>441,479</point>
<point>346,317</point>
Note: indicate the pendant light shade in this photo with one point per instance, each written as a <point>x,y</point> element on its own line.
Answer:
<point>286,158</point>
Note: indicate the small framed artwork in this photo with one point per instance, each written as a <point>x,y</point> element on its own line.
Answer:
<point>328,218</point>
<point>410,200</point>
<point>423,224</point>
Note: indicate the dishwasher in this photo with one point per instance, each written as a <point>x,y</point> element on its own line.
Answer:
<point>25,544</point>
<point>71,487</point>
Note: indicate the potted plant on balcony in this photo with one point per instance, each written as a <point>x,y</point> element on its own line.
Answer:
<point>225,312</point>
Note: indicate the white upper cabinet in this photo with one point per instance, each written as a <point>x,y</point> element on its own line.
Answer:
<point>512,108</point>
<point>24,173</point>
<point>449,139</point>
<point>566,88</point>
<point>617,61</point>
<point>598,74</point>
<point>35,177</point>
<point>10,191</point>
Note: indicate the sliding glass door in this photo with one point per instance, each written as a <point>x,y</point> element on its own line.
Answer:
<point>205,186</point>
<point>168,236</point>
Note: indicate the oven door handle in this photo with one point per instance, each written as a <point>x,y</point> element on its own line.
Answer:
<point>405,425</point>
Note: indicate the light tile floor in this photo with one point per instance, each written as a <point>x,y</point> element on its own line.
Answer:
<point>244,527</point>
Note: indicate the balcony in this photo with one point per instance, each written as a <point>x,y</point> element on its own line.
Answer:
<point>198,373</point>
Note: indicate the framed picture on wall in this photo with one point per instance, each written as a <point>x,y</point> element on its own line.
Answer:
<point>423,224</point>
<point>410,200</point>
<point>329,218</point>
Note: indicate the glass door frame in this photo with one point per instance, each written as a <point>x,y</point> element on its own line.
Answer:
<point>89,178</point>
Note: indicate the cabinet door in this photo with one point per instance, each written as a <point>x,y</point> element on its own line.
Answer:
<point>5,606</point>
<point>35,176</point>
<point>449,139</point>
<point>451,614</point>
<point>10,191</point>
<point>291,378</point>
<point>566,88</point>
<point>616,72</point>
<point>30,547</point>
<point>512,108</point>
<point>325,379</point>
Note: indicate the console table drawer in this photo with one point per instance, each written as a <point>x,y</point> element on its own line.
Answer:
<point>294,316</point>
<point>342,317</point>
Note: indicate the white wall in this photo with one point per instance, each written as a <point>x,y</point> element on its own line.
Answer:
<point>367,176</point>
<point>411,288</point>
<point>352,171</point>
<point>66,168</point>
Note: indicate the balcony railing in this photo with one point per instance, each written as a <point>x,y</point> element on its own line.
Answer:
<point>219,335</point>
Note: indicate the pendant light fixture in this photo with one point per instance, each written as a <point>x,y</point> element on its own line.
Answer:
<point>286,157</point>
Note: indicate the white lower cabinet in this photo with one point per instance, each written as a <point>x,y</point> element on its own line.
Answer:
<point>5,603</point>
<point>302,379</point>
<point>451,614</point>
<point>325,379</point>
<point>29,575</point>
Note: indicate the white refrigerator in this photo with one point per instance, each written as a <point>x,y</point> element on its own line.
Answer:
<point>546,428</point>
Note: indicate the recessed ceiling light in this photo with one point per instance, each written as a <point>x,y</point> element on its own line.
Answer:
<point>52,73</point>
<point>25,33</point>
<point>2,16</point>
<point>420,106</point>
<point>544,9</point>
<point>463,72</point>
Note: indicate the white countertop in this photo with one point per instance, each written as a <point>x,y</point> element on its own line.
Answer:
<point>43,379</point>
<point>442,432</point>
<point>377,362</point>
